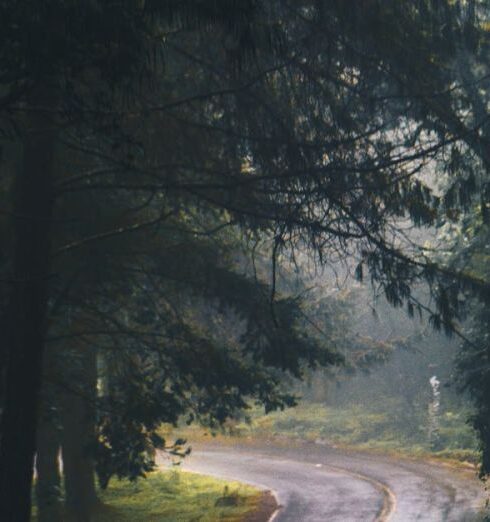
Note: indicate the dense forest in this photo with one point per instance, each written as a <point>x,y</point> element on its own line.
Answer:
<point>176,178</point>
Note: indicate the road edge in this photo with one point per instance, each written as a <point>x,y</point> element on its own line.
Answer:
<point>267,509</point>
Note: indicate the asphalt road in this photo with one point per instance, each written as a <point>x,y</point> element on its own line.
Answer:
<point>316,483</point>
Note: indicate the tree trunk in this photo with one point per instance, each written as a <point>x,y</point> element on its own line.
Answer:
<point>48,471</point>
<point>48,484</point>
<point>78,436</point>
<point>26,313</point>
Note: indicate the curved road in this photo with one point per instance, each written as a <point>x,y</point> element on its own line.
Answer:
<point>316,483</point>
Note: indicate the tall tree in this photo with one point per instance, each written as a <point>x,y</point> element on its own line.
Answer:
<point>54,57</point>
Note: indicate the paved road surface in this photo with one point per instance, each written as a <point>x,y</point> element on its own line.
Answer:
<point>317,483</point>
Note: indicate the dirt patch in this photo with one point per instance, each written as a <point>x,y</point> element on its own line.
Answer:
<point>266,507</point>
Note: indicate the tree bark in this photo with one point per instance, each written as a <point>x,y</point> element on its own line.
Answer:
<point>78,436</point>
<point>48,483</point>
<point>26,312</point>
<point>48,471</point>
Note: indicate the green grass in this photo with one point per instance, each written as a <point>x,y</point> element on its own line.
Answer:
<point>174,496</point>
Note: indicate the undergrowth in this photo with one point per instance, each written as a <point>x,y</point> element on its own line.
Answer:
<point>358,427</point>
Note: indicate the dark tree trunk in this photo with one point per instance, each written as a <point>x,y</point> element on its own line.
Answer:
<point>78,437</point>
<point>48,472</point>
<point>48,484</point>
<point>26,314</point>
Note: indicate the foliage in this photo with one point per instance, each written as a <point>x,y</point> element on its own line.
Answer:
<point>473,359</point>
<point>185,332</point>
<point>255,151</point>
<point>375,428</point>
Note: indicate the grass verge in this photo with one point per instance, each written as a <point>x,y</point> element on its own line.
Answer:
<point>176,496</point>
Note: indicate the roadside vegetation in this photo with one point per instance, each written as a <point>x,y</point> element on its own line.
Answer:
<point>354,427</point>
<point>174,496</point>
